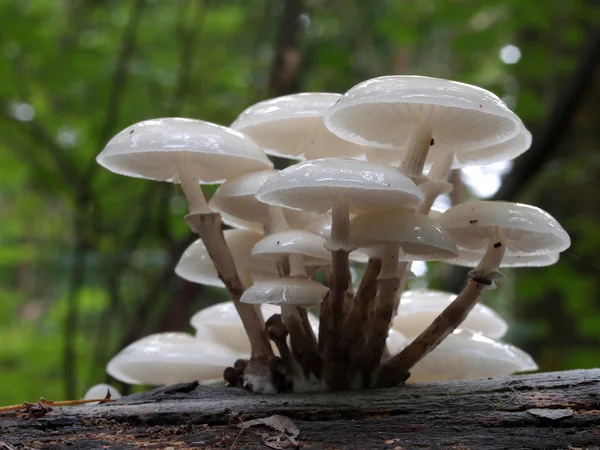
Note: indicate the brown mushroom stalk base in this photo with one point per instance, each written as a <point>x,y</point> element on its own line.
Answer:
<point>396,369</point>
<point>380,316</point>
<point>209,227</point>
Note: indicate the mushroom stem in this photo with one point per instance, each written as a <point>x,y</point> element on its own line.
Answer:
<point>414,160</point>
<point>440,169</point>
<point>302,337</point>
<point>276,221</point>
<point>403,273</point>
<point>209,227</point>
<point>396,369</point>
<point>381,315</point>
<point>332,308</point>
<point>278,332</point>
<point>355,325</point>
<point>192,191</point>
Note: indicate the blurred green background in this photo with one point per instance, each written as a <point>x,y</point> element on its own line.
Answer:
<point>87,257</point>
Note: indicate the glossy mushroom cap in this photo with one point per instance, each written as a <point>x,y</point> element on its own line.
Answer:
<point>293,126</point>
<point>419,308</point>
<point>382,112</point>
<point>286,291</point>
<point>527,230</point>
<point>420,237</point>
<point>314,185</point>
<point>294,241</point>
<point>464,354</point>
<point>196,265</point>
<point>156,149</point>
<point>235,200</point>
<point>168,358</point>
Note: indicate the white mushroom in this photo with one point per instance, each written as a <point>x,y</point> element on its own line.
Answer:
<point>407,112</point>
<point>493,229</point>
<point>419,308</point>
<point>292,126</point>
<point>343,186</point>
<point>167,358</point>
<point>189,152</point>
<point>464,354</point>
<point>184,151</point>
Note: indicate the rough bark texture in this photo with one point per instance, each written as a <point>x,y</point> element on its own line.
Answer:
<point>548,410</point>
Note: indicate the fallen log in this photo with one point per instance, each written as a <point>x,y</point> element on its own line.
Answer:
<point>546,410</point>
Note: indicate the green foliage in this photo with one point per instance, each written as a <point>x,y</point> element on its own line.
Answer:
<point>75,73</point>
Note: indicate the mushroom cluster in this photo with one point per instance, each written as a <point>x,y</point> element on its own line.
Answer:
<point>372,163</point>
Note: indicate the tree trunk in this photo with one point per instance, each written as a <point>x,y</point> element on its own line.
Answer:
<point>547,410</point>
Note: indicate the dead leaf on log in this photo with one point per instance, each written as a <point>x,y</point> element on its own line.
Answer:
<point>551,414</point>
<point>285,426</point>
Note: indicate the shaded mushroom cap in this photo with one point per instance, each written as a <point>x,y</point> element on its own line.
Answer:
<point>527,230</point>
<point>418,309</point>
<point>464,354</point>
<point>293,242</point>
<point>293,126</point>
<point>286,291</point>
<point>235,200</point>
<point>471,259</point>
<point>314,185</point>
<point>503,151</point>
<point>420,237</point>
<point>99,391</point>
<point>222,324</point>
<point>491,154</point>
<point>395,342</point>
<point>168,358</point>
<point>157,149</point>
<point>195,264</point>
<point>382,112</point>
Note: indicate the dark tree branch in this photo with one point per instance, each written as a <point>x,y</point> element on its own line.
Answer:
<point>546,141</point>
<point>550,136</point>
<point>287,60</point>
<point>117,86</point>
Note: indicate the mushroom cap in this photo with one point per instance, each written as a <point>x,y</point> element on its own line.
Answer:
<point>503,151</point>
<point>465,354</point>
<point>236,200</point>
<point>286,291</point>
<point>167,358</point>
<point>418,309</point>
<point>471,259</point>
<point>420,237</point>
<point>382,112</point>
<point>294,241</point>
<point>195,264</point>
<point>291,125</point>
<point>528,230</point>
<point>156,149</point>
<point>314,185</point>
<point>99,391</point>
<point>221,323</point>
<point>395,341</point>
